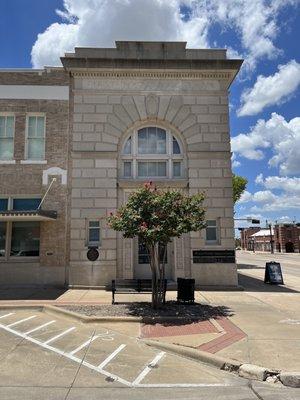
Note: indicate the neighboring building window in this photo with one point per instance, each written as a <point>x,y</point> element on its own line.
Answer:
<point>93,233</point>
<point>19,238</point>
<point>26,204</point>
<point>25,239</point>
<point>2,238</point>
<point>35,143</point>
<point>211,232</point>
<point>7,129</point>
<point>152,152</point>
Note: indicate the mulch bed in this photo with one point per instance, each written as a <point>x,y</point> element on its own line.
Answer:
<point>144,310</point>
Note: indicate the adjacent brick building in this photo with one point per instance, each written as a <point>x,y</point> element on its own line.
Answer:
<point>284,237</point>
<point>102,124</point>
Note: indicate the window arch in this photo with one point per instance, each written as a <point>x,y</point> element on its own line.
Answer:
<point>152,152</point>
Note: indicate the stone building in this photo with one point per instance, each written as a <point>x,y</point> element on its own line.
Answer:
<point>117,118</point>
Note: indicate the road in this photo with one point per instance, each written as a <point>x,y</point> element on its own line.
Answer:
<point>290,263</point>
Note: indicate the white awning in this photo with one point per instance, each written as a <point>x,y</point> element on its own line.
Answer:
<point>35,215</point>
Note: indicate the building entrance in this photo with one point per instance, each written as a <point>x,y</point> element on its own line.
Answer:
<point>142,268</point>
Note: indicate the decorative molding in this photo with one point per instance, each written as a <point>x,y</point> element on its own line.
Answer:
<point>154,74</point>
<point>55,171</point>
<point>152,105</point>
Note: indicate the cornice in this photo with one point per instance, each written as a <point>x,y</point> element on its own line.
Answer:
<point>187,75</point>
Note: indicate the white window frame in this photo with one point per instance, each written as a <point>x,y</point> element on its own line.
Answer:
<point>28,160</point>
<point>92,243</point>
<point>9,160</point>
<point>216,226</point>
<point>169,157</point>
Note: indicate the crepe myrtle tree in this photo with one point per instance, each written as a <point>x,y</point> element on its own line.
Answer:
<point>155,217</point>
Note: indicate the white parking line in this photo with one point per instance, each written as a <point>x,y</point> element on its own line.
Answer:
<point>40,327</point>
<point>111,356</point>
<point>67,355</point>
<point>149,367</point>
<point>6,315</point>
<point>20,321</point>
<point>59,335</point>
<point>85,344</point>
<point>99,369</point>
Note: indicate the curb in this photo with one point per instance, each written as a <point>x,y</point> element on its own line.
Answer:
<point>247,371</point>
<point>198,355</point>
<point>86,319</point>
<point>22,306</point>
<point>54,309</point>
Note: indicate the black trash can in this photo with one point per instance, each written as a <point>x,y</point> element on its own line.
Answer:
<point>185,290</point>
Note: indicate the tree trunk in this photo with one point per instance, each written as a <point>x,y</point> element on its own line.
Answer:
<point>157,276</point>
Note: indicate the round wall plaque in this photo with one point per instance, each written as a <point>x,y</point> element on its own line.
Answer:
<point>92,254</point>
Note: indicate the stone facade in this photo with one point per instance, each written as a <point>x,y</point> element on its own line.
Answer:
<point>113,94</point>
<point>183,91</point>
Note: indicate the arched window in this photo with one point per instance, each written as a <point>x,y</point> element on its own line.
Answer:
<point>152,152</point>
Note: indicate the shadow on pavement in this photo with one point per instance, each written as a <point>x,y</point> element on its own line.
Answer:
<point>183,314</point>
<point>252,284</point>
<point>188,313</point>
<point>248,266</point>
<point>14,293</point>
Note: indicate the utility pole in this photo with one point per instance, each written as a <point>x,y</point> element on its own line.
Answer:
<point>271,238</point>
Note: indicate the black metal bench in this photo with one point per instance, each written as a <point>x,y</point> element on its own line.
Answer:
<point>133,286</point>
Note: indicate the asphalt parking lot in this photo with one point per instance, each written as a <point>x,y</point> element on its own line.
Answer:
<point>38,350</point>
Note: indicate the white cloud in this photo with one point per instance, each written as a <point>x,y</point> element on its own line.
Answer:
<point>278,203</point>
<point>234,162</point>
<point>245,197</point>
<point>263,196</point>
<point>101,22</point>
<point>270,90</point>
<point>291,185</point>
<point>282,137</point>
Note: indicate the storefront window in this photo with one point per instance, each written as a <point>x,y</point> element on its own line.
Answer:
<point>25,239</point>
<point>2,238</point>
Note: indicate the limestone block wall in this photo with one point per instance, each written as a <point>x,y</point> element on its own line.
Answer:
<point>106,107</point>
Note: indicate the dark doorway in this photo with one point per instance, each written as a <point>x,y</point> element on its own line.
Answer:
<point>289,247</point>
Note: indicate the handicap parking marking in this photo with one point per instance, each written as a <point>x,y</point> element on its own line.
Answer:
<point>124,363</point>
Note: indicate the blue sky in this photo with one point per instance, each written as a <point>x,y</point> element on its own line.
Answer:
<point>264,100</point>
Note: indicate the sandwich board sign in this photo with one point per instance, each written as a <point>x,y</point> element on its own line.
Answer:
<point>273,273</point>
